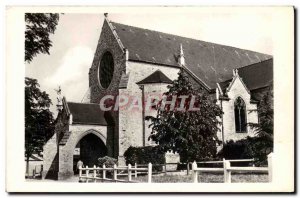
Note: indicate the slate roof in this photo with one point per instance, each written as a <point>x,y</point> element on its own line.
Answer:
<point>86,113</point>
<point>225,84</point>
<point>210,62</point>
<point>255,76</point>
<point>155,77</point>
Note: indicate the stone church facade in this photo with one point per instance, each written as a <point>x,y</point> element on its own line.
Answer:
<point>137,62</point>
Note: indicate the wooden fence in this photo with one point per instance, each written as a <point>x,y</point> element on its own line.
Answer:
<point>96,173</point>
<point>228,169</point>
<point>93,173</point>
<point>37,171</point>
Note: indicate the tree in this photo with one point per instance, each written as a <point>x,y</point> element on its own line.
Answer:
<point>39,121</point>
<point>191,133</point>
<point>264,128</point>
<point>39,26</point>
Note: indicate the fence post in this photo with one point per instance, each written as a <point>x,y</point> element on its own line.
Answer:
<point>80,173</point>
<point>195,172</point>
<point>87,173</point>
<point>94,173</point>
<point>129,172</point>
<point>227,174</point>
<point>188,168</point>
<point>165,165</point>
<point>115,172</point>
<point>33,173</point>
<point>135,172</point>
<point>149,172</point>
<point>270,168</point>
<point>104,171</point>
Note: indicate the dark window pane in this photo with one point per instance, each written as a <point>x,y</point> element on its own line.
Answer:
<point>237,120</point>
<point>240,115</point>
<point>243,120</point>
<point>106,70</point>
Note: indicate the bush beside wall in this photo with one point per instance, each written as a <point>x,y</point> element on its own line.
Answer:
<point>250,147</point>
<point>144,155</point>
<point>108,161</point>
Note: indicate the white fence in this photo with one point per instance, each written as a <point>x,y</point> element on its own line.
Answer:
<point>93,173</point>
<point>37,171</point>
<point>228,169</point>
<point>96,173</point>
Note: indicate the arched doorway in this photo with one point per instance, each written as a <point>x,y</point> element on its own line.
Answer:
<point>89,149</point>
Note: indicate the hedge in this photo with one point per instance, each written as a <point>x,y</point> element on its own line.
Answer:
<point>144,155</point>
<point>250,147</point>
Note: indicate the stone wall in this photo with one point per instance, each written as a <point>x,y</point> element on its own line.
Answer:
<point>108,42</point>
<point>237,90</point>
<point>131,123</point>
<point>49,154</point>
<point>66,151</point>
<point>50,150</point>
<point>152,90</point>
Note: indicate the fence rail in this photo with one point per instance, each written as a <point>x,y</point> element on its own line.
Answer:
<point>93,173</point>
<point>131,170</point>
<point>228,169</point>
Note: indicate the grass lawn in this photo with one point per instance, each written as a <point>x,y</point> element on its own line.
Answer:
<point>205,178</point>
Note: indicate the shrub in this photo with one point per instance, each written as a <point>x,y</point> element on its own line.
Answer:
<point>145,155</point>
<point>250,147</point>
<point>108,161</point>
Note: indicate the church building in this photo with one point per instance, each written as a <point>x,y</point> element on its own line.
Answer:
<point>136,62</point>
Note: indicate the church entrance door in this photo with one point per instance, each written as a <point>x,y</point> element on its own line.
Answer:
<point>89,149</point>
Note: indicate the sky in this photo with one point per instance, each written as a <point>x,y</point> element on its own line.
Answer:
<point>75,41</point>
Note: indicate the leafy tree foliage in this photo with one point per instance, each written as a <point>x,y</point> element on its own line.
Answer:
<point>39,26</point>
<point>38,118</point>
<point>264,128</point>
<point>192,134</point>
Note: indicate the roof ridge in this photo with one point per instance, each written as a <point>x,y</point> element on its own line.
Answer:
<point>255,63</point>
<point>211,43</point>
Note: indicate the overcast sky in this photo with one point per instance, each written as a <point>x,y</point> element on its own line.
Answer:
<point>76,37</point>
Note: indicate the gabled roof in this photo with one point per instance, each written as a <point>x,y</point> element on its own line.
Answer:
<point>224,85</point>
<point>210,62</point>
<point>86,113</point>
<point>255,76</point>
<point>156,77</point>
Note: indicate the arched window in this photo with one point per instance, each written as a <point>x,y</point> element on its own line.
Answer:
<point>240,115</point>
